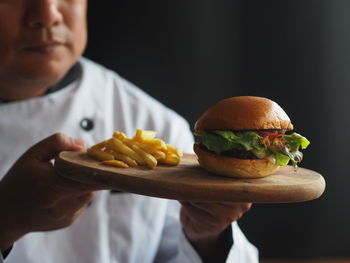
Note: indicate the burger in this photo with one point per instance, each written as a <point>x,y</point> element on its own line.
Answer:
<point>246,137</point>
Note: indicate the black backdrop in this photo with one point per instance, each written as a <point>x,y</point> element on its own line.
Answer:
<point>190,54</point>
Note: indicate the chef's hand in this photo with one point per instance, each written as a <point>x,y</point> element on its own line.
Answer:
<point>204,224</point>
<point>33,197</point>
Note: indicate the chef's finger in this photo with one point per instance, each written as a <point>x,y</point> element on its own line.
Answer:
<point>50,147</point>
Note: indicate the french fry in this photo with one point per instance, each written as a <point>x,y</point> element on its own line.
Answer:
<point>120,135</point>
<point>148,137</point>
<point>149,159</point>
<point>126,159</point>
<point>143,149</point>
<point>115,163</point>
<point>173,149</point>
<point>118,146</point>
<point>156,144</point>
<point>99,146</point>
<point>171,159</point>
<point>143,135</point>
<point>128,142</point>
<point>159,155</point>
<point>99,154</point>
<point>156,153</point>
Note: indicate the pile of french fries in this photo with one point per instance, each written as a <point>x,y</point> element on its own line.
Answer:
<point>142,149</point>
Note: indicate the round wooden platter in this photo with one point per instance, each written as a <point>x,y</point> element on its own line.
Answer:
<point>188,181</point>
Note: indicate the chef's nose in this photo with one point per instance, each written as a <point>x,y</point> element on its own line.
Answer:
<point>43,13</point>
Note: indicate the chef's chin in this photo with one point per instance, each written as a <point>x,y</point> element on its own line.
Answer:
<point>41,68</point>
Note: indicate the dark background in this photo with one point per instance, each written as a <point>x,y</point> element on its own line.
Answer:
<point>190,54</point>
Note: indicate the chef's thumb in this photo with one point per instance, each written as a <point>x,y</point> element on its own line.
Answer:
<point>50,147</point>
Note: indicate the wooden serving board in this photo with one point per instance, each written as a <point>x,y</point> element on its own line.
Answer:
<point>188,181</point>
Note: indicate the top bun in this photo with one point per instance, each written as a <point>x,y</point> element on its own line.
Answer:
<point>244,113</point>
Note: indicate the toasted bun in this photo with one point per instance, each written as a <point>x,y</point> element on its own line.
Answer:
<point>244,113</point>
<point>234,167</point>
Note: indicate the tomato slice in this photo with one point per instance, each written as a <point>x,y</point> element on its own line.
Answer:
<point>270,135</point>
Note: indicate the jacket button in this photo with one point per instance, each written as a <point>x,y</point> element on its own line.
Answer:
<point>87,124</point>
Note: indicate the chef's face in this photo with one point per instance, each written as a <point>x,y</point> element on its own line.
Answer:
<point>40,39</point>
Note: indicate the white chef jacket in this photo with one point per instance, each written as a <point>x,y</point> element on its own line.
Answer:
<point>116,227</point>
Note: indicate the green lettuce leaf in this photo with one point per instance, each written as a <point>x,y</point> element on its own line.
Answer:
<point>220,141</point>
<point>295,141</point>
<point>215,142</point>
<point>261,152</point>
<point>281,159</point>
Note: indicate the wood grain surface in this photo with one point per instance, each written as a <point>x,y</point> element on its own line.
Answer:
<point>188,181</point>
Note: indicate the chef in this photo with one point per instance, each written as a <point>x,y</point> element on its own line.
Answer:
<point>52,99</point>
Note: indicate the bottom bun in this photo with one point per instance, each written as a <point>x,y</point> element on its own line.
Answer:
<point>234,167</point>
